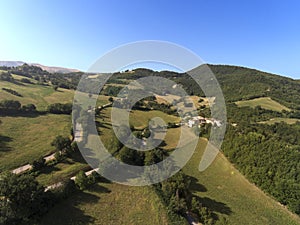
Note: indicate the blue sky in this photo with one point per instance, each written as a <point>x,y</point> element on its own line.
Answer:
<point>259,34</point>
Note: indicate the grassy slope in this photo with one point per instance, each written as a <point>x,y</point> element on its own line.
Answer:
<point>24,139</point>
<point>62,171</point>
<point>227,192</point>
<point>39,95</point>
<point>266,103</point>
<point>107,204</point>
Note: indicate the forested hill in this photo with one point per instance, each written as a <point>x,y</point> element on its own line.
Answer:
<point>239,83</point>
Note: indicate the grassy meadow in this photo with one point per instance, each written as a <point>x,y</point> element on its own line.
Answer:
<point>109,204</point>
<point>24,139</point>
<point>264,102</point>
<point>39,95</point>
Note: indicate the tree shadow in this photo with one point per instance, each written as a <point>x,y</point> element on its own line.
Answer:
<point>214,205</point>
<point>68,211</point>
<point>11,113</point>
<point>100,189</point>
<point>102,125</point>
<point>77,157</point>
<point>49,169</point>
<point>3,143</point>
<point>195,185</point>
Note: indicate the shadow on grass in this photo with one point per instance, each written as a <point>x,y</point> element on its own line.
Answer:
<point>102,125</point>
<point>214,205</point>
<point>100,189</point>
<point>196,186</point>
<point>49,169</point>
<point>21,114</point>
<point>3,143</point>
<point>73,209</point>
<point>69,212</point>
<point>77,157</point>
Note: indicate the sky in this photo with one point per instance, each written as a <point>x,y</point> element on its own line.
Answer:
<point>264,35</point>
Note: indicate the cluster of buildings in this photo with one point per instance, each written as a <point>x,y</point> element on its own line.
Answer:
<point>199,120</point>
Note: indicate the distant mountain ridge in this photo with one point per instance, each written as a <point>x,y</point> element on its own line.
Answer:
<point>50,69</point>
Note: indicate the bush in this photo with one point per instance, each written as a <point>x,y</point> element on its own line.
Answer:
<point>58,156</point>
<point>67,189</point>
<point>62,144</point>
<point>6,77</point>
<point>29,108</point>
<point>10,105</point>
<point>94,178</point>
<point>81,180</point>
<point>38,164</point>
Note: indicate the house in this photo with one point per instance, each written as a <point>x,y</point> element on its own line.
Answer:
<point>191,123</point>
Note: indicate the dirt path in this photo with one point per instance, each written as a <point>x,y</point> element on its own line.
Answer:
<point>22,169</point>
<point>27,167</point>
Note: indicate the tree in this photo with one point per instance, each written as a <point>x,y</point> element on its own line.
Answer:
<point>58,156</point>
<point>21,199</point>
<point>110,99</point>
<point>74,147</point>
<point>154,156</point>
<point>29,108</point>
<point>38,164</point>
<point>81,180</point>
<point>195,205</point>
<point>62,144</point>
<point>131,156</point>
<point>177,205</point>
<point>205,215</point>
<point>6,76</point>
<point>10,105</point>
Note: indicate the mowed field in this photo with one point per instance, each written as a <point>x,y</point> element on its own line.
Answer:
<point>222,188</point>
<point>265,102</point>
<point>109,204</point>
<point>25,139</point>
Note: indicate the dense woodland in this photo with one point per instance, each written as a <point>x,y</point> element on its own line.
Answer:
<point>267,155</point>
